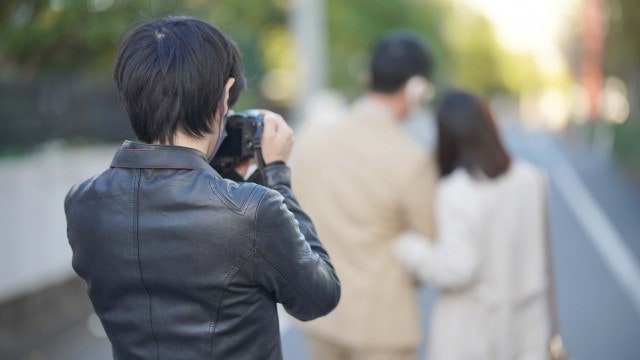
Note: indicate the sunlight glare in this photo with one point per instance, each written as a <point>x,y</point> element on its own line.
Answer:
<point>530,27</point>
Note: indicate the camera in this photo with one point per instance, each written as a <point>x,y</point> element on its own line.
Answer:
<point>244,133</point>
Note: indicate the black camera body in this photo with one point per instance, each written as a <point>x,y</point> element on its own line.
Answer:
<point>244,134</point>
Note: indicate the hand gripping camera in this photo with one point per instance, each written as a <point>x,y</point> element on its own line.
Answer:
<point>243,141</point>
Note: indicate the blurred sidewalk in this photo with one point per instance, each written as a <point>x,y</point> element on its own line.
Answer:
<point>35,252</point>
<point>38,301</point>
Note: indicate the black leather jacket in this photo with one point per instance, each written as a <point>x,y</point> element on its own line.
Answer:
<point>183,264</point>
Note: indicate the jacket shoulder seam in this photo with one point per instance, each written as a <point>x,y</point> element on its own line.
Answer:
<point>238,209</point>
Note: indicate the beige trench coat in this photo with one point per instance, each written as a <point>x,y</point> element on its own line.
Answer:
<point>363,181</point>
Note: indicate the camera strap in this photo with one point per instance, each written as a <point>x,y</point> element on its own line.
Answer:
<point>260,159</point>
<point>257,146</point>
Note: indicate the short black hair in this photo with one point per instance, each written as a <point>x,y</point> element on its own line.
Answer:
<point>170,74</point>
<point>468,137</point>
<point>396,57</point>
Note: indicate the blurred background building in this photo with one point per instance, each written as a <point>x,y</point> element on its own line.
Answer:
<point>563,77</point>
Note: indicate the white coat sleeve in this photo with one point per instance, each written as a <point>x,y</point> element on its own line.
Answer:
<point>452,260</point>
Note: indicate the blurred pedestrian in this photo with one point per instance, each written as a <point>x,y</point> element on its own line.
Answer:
<point>489,261</point>
<point>179,262</point>
<point>361,180</point>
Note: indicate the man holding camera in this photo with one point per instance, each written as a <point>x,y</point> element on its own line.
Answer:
<point>179,262</point>
<point>363,181</point>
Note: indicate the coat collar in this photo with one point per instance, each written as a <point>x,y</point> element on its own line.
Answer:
<point>147,156</point>
<point>375,106</point>
<point>375,111</point>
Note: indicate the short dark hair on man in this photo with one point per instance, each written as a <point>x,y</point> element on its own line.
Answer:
<point>468,137</point>
<point>396,57</point>
<point>170,74</point>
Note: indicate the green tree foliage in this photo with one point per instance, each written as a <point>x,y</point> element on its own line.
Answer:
<point>481,64</point>
<point>354,26</point>
<point>622,59</point>
<point>465,46</point>
<point>622,26</point>
<point>80,36</point>
<point>622,48</point>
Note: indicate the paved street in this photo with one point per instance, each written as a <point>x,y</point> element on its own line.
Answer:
<point>597,285</point>
<point>595,222</point>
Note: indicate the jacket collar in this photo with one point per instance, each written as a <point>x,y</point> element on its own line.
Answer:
<point>147,156</point>
<point>374,106</point>
<point>375,112</point>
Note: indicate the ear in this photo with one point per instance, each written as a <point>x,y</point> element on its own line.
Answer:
<point>227,88</point>
<point>417,90</point>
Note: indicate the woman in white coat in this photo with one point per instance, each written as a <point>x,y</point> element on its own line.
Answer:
<point>489,261</point>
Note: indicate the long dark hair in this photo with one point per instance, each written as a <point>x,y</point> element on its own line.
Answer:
<point>468,138</point>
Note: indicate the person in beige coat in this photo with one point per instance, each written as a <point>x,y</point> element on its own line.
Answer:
<point>363,182</point>
<point>490,258</point>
